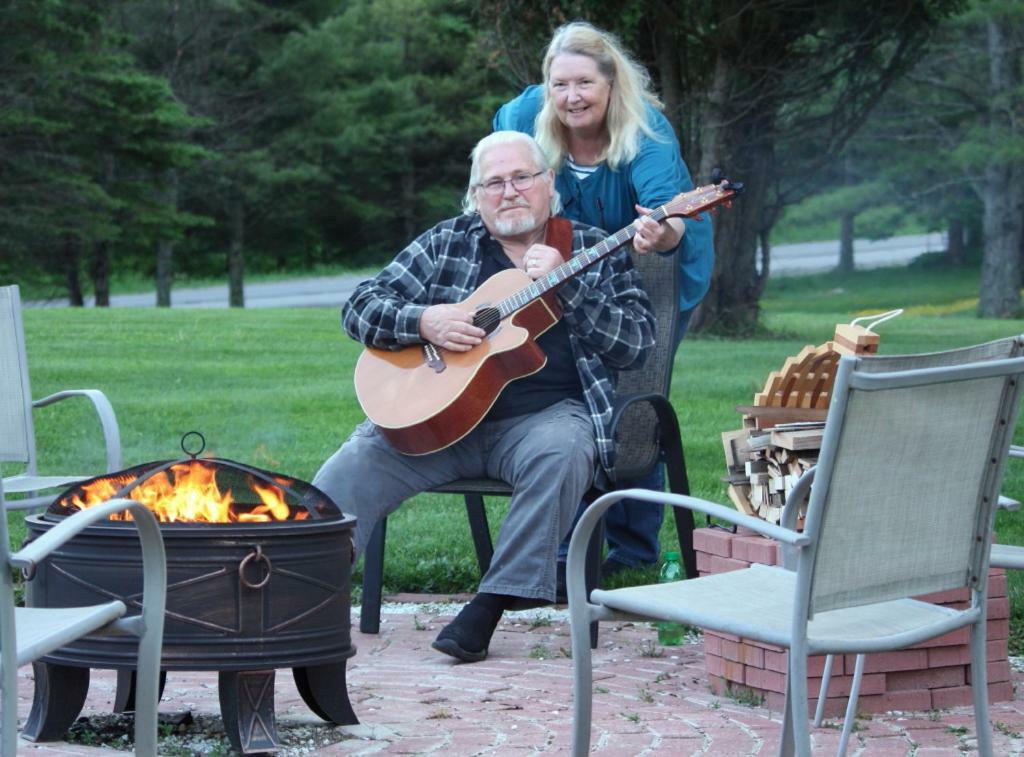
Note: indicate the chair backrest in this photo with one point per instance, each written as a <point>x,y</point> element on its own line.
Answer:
<point>904,496</point>
<point>8,642</point>
<point>17,435</point>
<point>636,443</point>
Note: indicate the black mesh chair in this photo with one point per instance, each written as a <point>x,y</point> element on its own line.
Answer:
<point>646,433</point>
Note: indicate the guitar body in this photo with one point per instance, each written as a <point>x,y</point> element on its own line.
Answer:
<point>422,406</point>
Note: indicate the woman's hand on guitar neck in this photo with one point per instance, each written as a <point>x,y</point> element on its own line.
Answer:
<point>450,327</point>
<point>652,236</point>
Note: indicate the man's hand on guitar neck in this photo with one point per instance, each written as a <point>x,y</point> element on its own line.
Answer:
<point>540,260</point>
<point>450,327</point>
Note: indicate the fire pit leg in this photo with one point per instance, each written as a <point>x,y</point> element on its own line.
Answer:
<point>247,707</point>
<point>60,692</point>
<point>124,698</point>
<point>323,689</point>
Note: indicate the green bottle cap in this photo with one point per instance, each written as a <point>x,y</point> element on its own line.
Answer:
<point>672,556</point>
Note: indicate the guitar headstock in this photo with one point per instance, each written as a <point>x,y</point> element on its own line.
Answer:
<point>691,204</point>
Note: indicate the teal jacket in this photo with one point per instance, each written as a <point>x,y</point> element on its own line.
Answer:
<point>606,198</point>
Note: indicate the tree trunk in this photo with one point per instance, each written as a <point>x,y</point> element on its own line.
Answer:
<point>165,247</point>
<point>236,254</point>
<point>99,264</point>
<point>846,223</point>
<point>846,242</point>
<point>99,272</point>
<point>69,260</point>
<point>975,235</point>
<point>712,123</point>
<point>737,143</point>
<point>1002,193</point>
<point>1000,263</point>
<point>667,60</point>
<point>956,250</point>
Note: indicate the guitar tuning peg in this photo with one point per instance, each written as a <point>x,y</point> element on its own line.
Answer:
<point>716,175</point>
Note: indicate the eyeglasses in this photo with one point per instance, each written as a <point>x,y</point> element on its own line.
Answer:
<point>520,182</point>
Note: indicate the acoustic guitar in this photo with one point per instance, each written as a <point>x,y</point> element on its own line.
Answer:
<point>424,398</point>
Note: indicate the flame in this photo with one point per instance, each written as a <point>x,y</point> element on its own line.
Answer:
<point>189,494</point>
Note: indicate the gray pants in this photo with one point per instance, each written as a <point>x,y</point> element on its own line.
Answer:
<point>548,458</point>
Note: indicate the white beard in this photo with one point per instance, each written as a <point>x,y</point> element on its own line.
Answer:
<point>510,227</point>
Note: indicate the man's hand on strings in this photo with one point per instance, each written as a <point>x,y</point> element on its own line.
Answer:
<point>450,328</point>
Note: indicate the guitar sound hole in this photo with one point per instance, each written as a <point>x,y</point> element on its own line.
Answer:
<point>487,318</point>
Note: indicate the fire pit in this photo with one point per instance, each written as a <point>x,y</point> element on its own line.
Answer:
<point>258,572</point>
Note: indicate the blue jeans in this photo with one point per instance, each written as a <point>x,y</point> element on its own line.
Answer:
<point>632,527</point>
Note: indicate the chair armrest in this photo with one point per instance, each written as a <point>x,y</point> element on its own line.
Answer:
<point>668,437</point>
<point>147,625</point>
<point>791,512</point>
<point>105,411</point>
<point>33,553</point>
<point>622,401</point>
<point>592,516</point>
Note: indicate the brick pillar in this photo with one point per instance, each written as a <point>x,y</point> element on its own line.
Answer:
<point>931,675</point>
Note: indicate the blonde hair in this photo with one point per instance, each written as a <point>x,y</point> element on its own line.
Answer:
<point>631,91</point>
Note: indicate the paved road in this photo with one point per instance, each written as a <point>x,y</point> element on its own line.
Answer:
<point>813,257</point>
<point>320,291</point>
<point>332,291</point>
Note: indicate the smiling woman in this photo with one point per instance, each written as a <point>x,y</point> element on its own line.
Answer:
<point>580,94</point>
<point>615,157</point>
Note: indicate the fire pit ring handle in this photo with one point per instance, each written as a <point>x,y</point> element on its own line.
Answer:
<point>202,444</point>
<point>256,554</point>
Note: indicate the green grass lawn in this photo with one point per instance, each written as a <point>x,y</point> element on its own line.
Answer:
<point>274,388</point>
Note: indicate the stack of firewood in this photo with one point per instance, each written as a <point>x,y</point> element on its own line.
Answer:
<point>782,430</point>
<point>764,465</point>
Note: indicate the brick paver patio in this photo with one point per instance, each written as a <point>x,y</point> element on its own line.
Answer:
<point>649,700</point>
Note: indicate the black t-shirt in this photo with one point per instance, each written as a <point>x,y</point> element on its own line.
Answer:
<point>556,381</point>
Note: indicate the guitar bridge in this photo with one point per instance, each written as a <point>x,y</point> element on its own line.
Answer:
<point>433,358</point>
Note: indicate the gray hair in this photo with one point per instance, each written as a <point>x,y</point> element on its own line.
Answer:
<point>506,138</point>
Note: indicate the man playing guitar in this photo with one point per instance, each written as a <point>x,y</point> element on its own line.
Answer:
<point>548,428</point>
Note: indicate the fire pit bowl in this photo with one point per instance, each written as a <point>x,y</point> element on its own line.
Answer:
<point>244,597</point>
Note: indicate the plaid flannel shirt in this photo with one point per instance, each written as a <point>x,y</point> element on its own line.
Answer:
<point>611,325</point>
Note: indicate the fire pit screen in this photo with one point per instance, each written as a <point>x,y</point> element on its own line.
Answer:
<point>258,570</point>
<point>202,491</point>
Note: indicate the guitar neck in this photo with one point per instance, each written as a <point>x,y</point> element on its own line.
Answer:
<point>688,205</point>
<point>570,268</point>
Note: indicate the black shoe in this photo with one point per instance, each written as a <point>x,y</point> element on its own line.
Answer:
<point>466,638</point>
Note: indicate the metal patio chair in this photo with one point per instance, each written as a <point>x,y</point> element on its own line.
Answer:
<point>28,633</point>
<point>880,529</point>
<point>17,432</point>
<point>646,433</point>
<point>1005,556</point>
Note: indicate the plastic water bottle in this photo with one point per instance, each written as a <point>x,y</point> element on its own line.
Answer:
<point>670,634</point>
